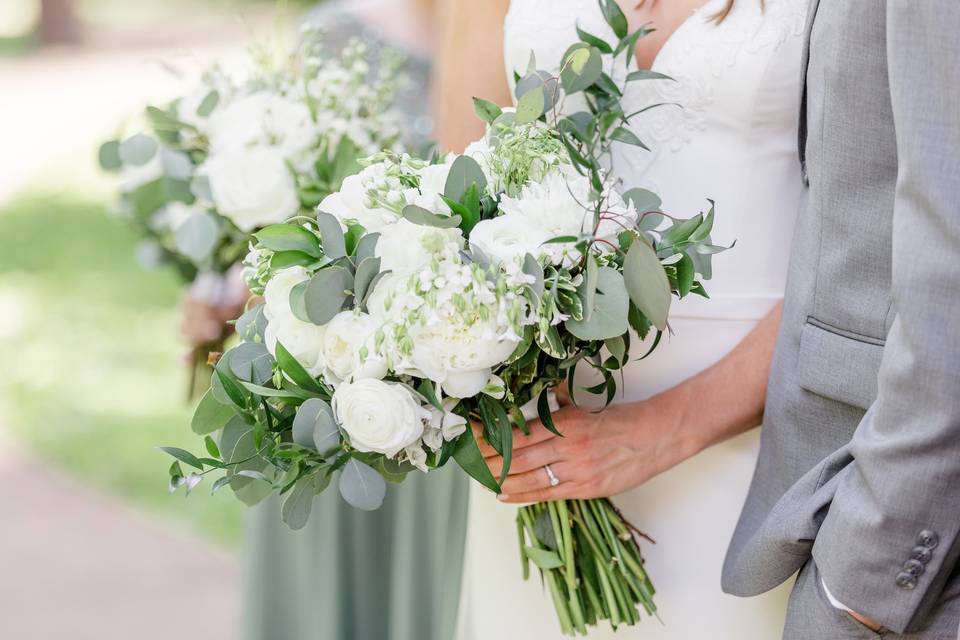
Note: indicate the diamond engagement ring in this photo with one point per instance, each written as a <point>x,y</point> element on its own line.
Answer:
<point>554,480</point>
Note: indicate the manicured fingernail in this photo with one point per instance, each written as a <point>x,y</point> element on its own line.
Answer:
<point>503,497</point>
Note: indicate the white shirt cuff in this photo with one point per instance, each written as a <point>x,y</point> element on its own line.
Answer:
<point>836,603</point>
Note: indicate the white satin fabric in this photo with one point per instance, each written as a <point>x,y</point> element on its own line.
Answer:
<point>735,141</point>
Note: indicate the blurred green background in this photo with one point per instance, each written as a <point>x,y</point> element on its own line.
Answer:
<point>93,381</point>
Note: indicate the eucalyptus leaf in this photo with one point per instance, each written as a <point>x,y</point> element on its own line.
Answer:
<point>326,293</point>
<point>647,283</point>
<point>587,291</point>
<point>464,172</point>
<point>137,150</point>
<point>236,440</point>
<point>196,236</point>
<point>531,105</point>
<point>609,315</point>
<point>602,45</point>
<point>251,361</point>
<point>315,427</point>
<point>252,324</point>
<point>109,156</point>
<point>299,502</point>
<point>298,305</point>
<point>361,486</point>
<point>421,216</point>
<point>210,414</point>
<point>582,67</point>
<point>367,271</point>
<point>334,244</point>
<point>366,247</point>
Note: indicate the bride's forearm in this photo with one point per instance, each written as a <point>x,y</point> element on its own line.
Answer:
<point>727,398</point>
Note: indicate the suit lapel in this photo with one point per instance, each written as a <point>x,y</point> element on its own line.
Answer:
<point>802,129</point>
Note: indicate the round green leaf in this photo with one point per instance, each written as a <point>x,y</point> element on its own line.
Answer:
<point>197,236</point>
<point>531,105</point>
<point>137,150</point>
<point>464,172</point>
<point>289,237</point>
<point>109,156</point>
<point>315,427</point>
<point>251,361</point>
<point>611,304</point>
<point>326,293</point>
<point>361,486</point>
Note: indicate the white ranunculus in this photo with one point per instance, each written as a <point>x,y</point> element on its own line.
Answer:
<point>382,417</point>
<point>304,340</point>
<point>508,238</point>
<point>350,203</point>
<point>238,124</point>
<point>404,247</point>
<point>347,335</point>
<point>252,187</point>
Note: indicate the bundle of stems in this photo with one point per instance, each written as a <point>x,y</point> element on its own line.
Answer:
<point>589,559</point>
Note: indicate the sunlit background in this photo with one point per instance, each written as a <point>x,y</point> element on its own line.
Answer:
<point>91,382</point>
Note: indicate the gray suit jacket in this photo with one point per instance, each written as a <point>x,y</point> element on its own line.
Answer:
<point>860,458</point>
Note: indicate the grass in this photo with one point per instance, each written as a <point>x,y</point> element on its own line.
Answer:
<point>91,378</point>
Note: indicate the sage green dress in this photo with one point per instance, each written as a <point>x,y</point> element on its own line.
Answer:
<point>390,574</point>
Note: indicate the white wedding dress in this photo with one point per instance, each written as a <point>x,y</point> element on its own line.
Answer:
<point>734,141</point>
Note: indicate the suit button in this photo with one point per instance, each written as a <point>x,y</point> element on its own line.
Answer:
<point>906,580</point>
<point>923,554</point>
<point>928,539</point>
<point>913,567</point>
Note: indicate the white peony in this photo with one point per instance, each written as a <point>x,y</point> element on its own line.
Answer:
<point>560,205</point>
<point>459,356</point>
<point>304,340</point>
<point>252,187</point>
<point>380,417</point>
<point>404,247</point>
<point>348,347</point>
<point>508,238</point>
<point>350,203</point>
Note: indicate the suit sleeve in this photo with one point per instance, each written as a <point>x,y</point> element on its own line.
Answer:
<point>890,539</point>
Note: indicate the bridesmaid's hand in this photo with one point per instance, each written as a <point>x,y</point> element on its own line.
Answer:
<point>600,454</point>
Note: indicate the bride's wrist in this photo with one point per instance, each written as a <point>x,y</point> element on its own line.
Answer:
<point>673,409</point>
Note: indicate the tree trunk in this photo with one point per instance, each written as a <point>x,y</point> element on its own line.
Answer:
<point>58,22</point>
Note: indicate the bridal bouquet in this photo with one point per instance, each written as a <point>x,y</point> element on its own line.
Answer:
<point>236,154</point>
<point>426,295</point>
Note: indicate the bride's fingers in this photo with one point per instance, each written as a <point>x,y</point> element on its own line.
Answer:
<point>527,459</point>
<point>535,480</point>
<point>538,434</point>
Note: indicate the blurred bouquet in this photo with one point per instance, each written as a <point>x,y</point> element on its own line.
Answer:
<point>424,296</point>
<point>237,154</point>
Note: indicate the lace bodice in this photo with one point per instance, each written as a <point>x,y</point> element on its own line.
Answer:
<point>729,134</point>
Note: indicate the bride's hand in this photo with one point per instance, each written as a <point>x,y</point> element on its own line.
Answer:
<point>600,454</point>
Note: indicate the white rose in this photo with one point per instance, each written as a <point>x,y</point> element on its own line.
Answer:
<point>238,124</point>
<point>347,335</point>
<point>349,204</point>
<point>380,417</point>
<point>508,238</point>
<point>404,247</point>
<point>304,340</point>
<point>252,187</point>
